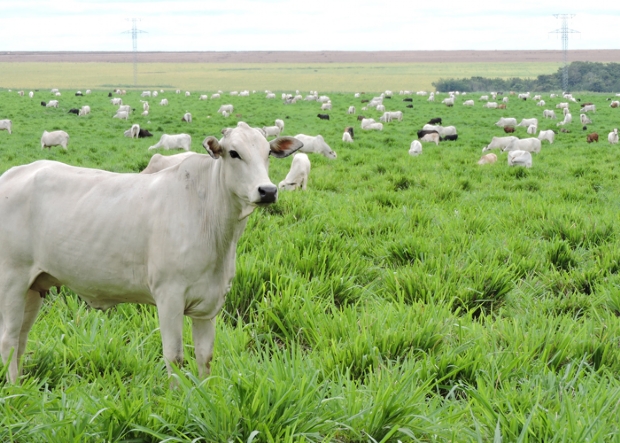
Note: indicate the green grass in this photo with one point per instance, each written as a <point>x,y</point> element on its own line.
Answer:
<point>349,77</point>
<point>398,298</point>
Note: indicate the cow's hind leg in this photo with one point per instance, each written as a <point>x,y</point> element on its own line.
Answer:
<point>13,302</point>
<point>33,305</point>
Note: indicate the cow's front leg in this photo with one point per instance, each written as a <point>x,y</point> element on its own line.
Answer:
<point>203,331</point>
<point>170,314</point>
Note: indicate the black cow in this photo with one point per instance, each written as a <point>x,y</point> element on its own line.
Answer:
<point>79,94</point>
<point>144,133</point>
<point>435,121</point>
<point>74,111</point>
<point>450,137</point>
<point>409,106</point>
<point>423,132</point>
<point>323,116</point>
<point>349,129</point>
<point>407,99</point>
<point>109,94</point>
<point>365,100</point>
<point>43,104</point>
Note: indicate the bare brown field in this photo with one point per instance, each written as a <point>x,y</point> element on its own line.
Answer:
<point>594,55</point>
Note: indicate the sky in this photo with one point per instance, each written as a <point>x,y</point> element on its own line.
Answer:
<point>308,25</point>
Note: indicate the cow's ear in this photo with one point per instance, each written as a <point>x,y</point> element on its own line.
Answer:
<point>226,131</point>
<point>213,147</point>
<point>284,146</point>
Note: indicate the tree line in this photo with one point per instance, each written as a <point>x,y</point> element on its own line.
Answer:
<point>582,76</point>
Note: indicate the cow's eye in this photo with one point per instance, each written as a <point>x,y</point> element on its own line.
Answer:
<point>234,154</point>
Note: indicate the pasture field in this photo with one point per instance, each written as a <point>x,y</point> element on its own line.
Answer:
<point>399,298</point>
<point>342,77</point>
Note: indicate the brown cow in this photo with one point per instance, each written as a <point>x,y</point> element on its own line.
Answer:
<point>502,106</point>
<point>509,129</point>
<point>592,137</point>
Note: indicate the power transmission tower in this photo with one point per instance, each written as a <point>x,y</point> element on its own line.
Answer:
<point>134,37</point>
<point>564,30</point>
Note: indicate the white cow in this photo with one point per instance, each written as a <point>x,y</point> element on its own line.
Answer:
<point>484,98</point>
<point>133,132</point>
<point>163,102</point>
<point>31,94</point>
<point>588,108</point>
<point>392,115</point>
<point>326,106</point>
<point>487,159</point>
<point>52,104</point>
<point>367,121</point>
<point>549,113</point>
<point>176,232</point>
<point>432,137</point>
<point>271,131</point>
<point>187,117</point>
<point>315,145</point>
<point>448,101</point>
<point>567,119</point>
<point>123,115</point>
<point>506,121</point>
<point>280,124</point>
<point>468,103</point>
<point>530,144</point>
<point>374,127</point>
<point>381,108</point>
<point>531,129</point>
<point>520,158</point>
<point>124,108</point>
<point>490,105</point>
<point>346,137</point>
<point>215,95</point>
<point>187,93</point>
<point>584,119</point>
<point>54,138</point>
<point>175,141</point>
<point>613,137</point>
<point>528,121</point>
<point>561,105</point>
<point>116,101</point>
<point>84,110</point>
<point>297,176</point>
<point>416,148</point>
<point>548,135</point>
<point>270,95</point>
<point>351,110</point>
<point>499,143</point>
<point>541,103</point>
<point>6,125</point>
<point>145,94</point>
<point>203,97</point>
<point>227,108</point>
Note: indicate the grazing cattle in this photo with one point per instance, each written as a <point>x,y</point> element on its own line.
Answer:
<point>613,137</point>
<point>84,110</point>
<point>116,101</point>
<point>506,121</point>
<point>548,113</point>
<point>346,137</point>
<point>525,144</point>
<point>520,158</point>
<point>31,94</point>
<point>509,129</point>
<point>323,116</point>
<point>6,125</point>
<point>143,133</point>
<point>376,126</point>
<point>501,106</point>
<point>391,115</point>
<point>567,119</point>
<point>487,159</point>
<point>564,130</point>
<point>407,99</point>
<point>271,131</point>
<point>541,103</point>
<point>442,130</point>
<point>435,121</point>
<point>187,93</point>
<point>450,137</point>
<point>124,108</point>
<point>74,111</point>
<point>416,148</point>
<point>484,98</point>
<point>145,94</point>
<point>54,138</point>
<point>380,108</point>
<point>123,115</point>
<point>614,104</point>
<point>326,106</point>
<point>490,105</point>
<point>531,129</point>
<point>174,141</point>
<point>280,124</point>
<point>159,162</point>
<point>78,94</point>
<point>588,108</point>
<point>448,101</point>
<point>584,119</point>
<point>430,137</point>
<point>468,103</point>
<point>187,117</point>
<point>133,132</point>
<point>297,176</point>
<point>170,241</point>
<point>561,105</point>
<point>548,135</point>
<point>423,132</point>
<point>349,129</point>
<point>315,145</point>
<point>215,95</point>
<point>52,104</point>
<point>351,110</point>
<point>593,137</point>
<point>163,102</point>
<point>499,143</point>
<point>227,108</point>
<point>528,121</point>
<point>203,97</point>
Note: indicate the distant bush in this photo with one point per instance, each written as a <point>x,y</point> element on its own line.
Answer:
<point>582,76</point>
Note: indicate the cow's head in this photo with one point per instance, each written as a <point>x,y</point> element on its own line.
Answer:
<point>244,153</point>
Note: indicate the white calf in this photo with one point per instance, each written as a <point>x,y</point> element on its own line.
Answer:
<point>175,141</point>
<point>132,132</point>
<point>415,148</point>
<point>548,113</point>
<point>5,125</point>
<point>54,138</point>
<point>297,176</point>
<point>487,159</point>
<point>346,137</point>
<point>520,158</point>
<point>548,135</point>
<point>272,131</point>
<point>315,145</point>
<point>584,119</point>
<point>613,137</point>
<point>351,110</point>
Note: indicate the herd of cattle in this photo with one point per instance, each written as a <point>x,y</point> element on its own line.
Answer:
<point>168,236</point>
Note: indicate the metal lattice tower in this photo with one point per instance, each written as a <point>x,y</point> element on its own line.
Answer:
<point>134,37</point>
<point>564,30</point>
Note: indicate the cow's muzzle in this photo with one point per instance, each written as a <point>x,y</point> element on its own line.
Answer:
<point>268,193</point>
